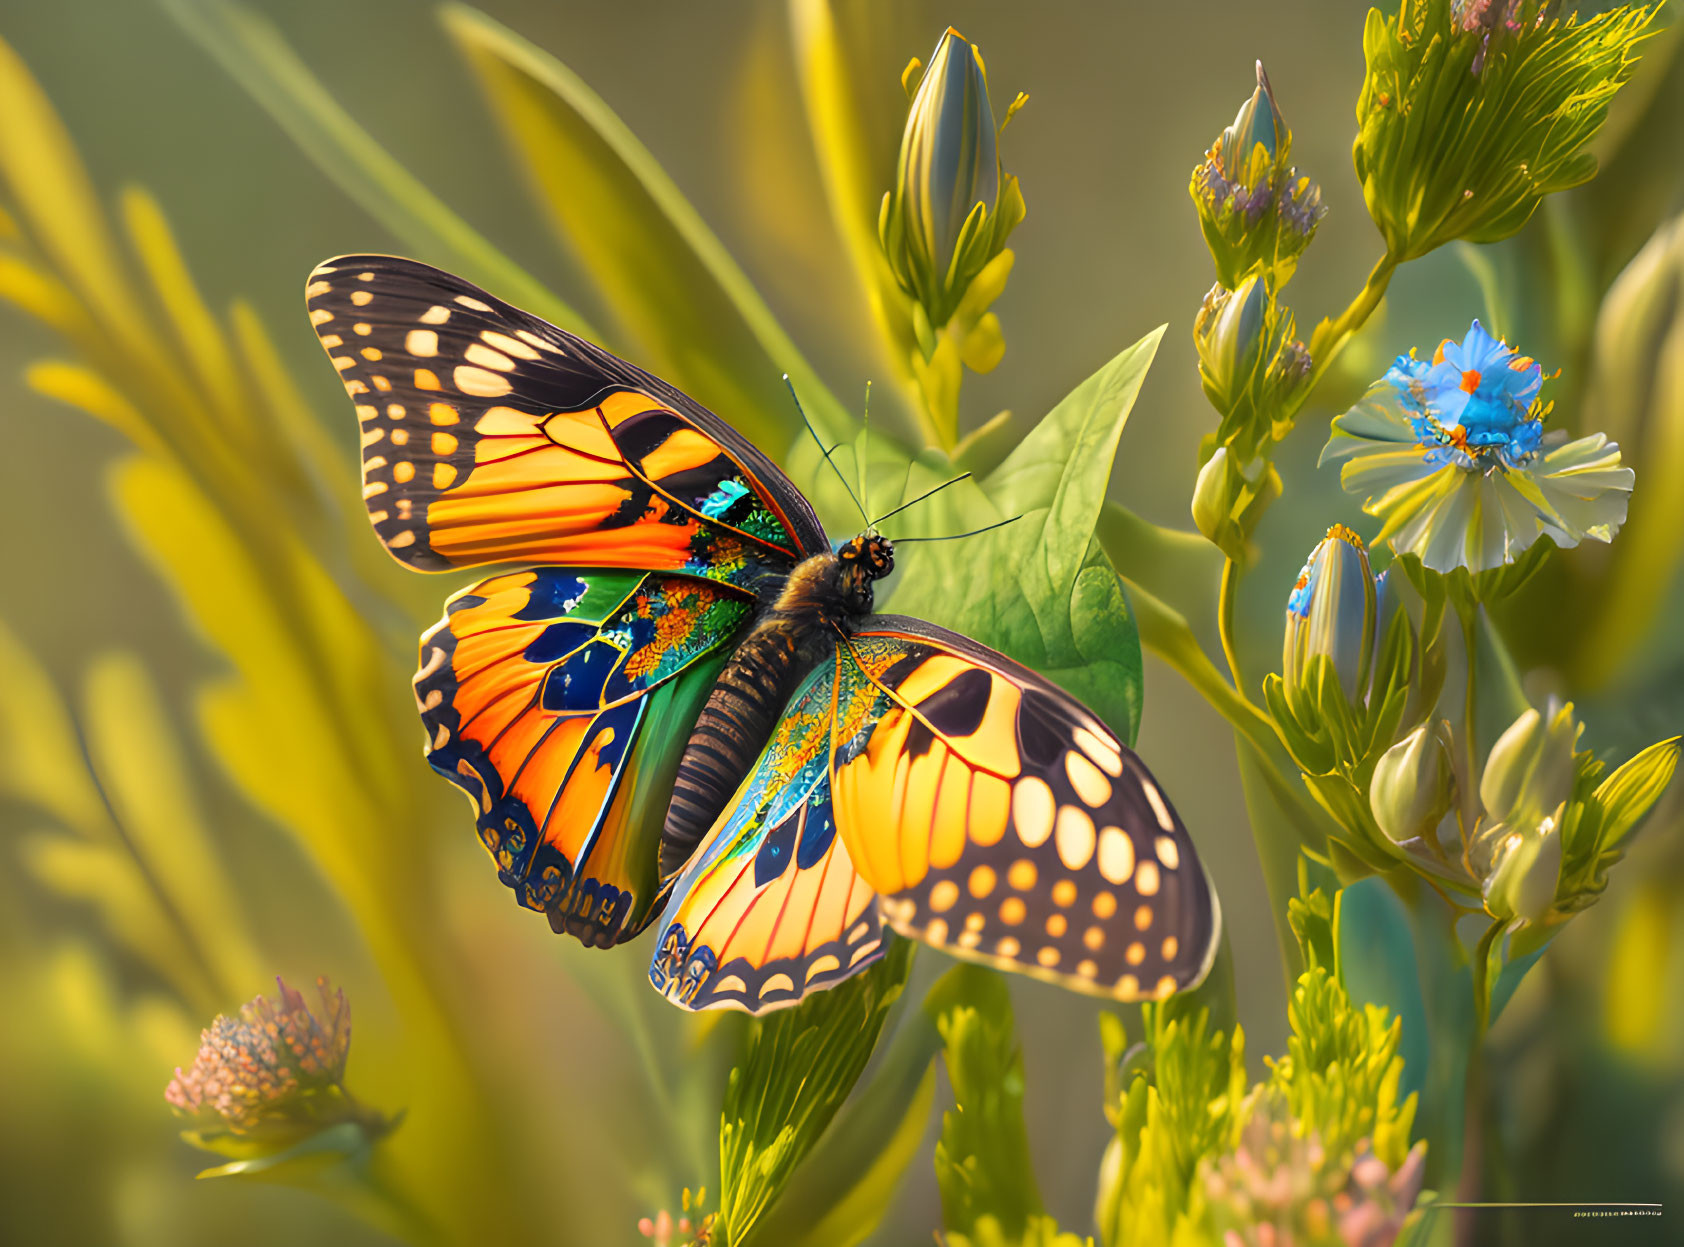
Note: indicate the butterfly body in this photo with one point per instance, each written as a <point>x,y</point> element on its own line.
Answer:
<point>824,597</point>
<point>675,707</point>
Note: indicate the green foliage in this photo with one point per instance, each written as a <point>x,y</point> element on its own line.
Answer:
<point>1341,1072</point>
<point>846,1183</point>
<point>988,1193</point>
<point>800,1065</point>
<point>253,52</point>
<point>1039,588</point>
<point>1196,1142</point>
<point>1467,122</point>
<point>677,296</point>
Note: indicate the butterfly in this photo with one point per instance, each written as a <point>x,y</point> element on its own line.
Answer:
<point>672,705</point>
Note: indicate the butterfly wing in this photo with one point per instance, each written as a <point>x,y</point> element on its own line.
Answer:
<point>490,436</point>
<point>770,907</point>
<point>560,701</point>
<point>998,818</point>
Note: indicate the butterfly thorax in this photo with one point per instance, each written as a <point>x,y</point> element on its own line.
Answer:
<point>824,597</point>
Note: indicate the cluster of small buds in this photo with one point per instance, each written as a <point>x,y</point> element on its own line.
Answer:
<point>260,1066</point>
<point>1278,1188</point>
<point>691,1228</point>
<point>1493,18</point>
<point>1258,214</point>
<point>1254,206</point>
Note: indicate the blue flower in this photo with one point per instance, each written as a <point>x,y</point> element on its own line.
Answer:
<point>1453,457</point>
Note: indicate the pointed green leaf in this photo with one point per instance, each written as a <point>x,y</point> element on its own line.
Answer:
<point>801,1064</point>
<point>1040,588</point>
<point>982,1161</point>
<point>1630,792</point>
<point>691,311</point>
<point>844,1187</point>
<point>258,58</point>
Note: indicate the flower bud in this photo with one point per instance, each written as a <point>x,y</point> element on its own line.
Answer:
<point>1530,770</point>
<point>952,205</point>
<point>1229,332</point>
<point>1254,208</point>
<point>1525,868</point>
<point>1414,784</point>
<point>1212,498</point>
<point>1330,614</point>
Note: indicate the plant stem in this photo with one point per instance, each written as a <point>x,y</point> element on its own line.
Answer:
<point>1225,625</point>
<point>1167,635</point>
<point>1331,336</point>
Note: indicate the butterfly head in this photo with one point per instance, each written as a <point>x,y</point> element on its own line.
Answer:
<point>867,558</point>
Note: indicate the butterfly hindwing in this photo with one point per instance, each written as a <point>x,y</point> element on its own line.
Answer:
<point>490,436</point>
<point>770,907</point>
<point>1002,821</point>
<point>560,701</point>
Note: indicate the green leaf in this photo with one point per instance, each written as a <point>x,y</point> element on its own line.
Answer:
<point>667,278</point>
<point>844,1186</point>
<point>258,58</point>
<point>1630,792</point>
<point>855,151</point>
<point>1040,588</point>
<point>982,1161</point>
<point>1378,964</point>
<point>801,1064</point>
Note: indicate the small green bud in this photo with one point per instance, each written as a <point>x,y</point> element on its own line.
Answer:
<point>952,205</point>
<point>1530,770</point>
<point>1525,869</point>
<point>1229,332</point>
<point>1212,498</point>
<point>1414,784</point>
<point>1330,613</point>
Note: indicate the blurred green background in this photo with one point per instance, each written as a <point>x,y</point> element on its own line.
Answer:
<point>1125,98</point>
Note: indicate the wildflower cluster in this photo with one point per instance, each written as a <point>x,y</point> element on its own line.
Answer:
<point>691,1228</point>
<point>1317,1153</point>
<point>1278,1187</point>
<point>268,1086</point>
<point>1473,110</point>
<point>1255,208</point>
<point>1356,705</point>
<point>272,1064</point>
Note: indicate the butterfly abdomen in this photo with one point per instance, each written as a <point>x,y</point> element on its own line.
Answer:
<point>790,638</point>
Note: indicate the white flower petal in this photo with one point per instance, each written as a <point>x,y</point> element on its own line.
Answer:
<point>1380,471</point>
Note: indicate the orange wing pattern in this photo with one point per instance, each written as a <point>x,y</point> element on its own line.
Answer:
<point>1002,821</point>
<point>770,907</point>
<point>490,436</point>
<point>560,702</point>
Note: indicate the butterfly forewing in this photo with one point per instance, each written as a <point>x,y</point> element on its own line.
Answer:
<point>490,436</point>
<point>1002,821</point>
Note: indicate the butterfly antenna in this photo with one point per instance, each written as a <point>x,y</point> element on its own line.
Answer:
<point>863,461</point>
<point>819,442</point>
<point>900,541</point>
<point>926,494</point>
